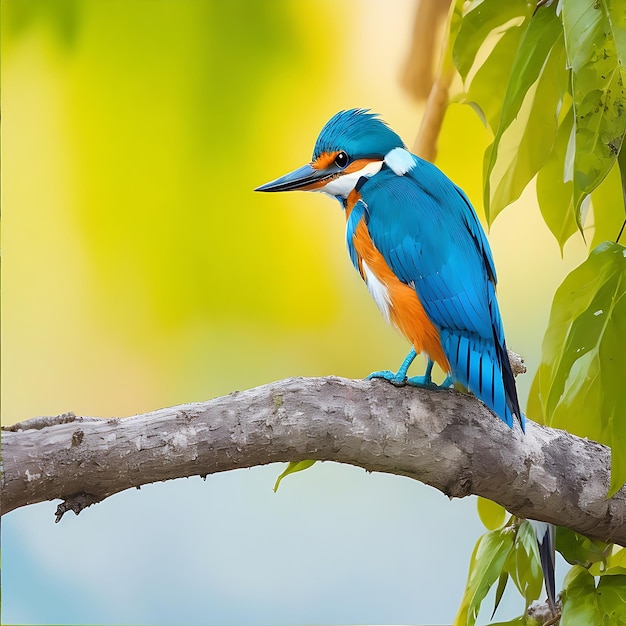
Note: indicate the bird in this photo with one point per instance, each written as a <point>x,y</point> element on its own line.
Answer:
<point>415,239</point>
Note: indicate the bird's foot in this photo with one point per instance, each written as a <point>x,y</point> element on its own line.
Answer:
<point>398,379</point>
<point>425,382</point>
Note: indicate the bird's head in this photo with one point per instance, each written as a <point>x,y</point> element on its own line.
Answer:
<point>351,145</point>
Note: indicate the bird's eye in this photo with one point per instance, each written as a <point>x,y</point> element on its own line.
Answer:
<point>341,159</point>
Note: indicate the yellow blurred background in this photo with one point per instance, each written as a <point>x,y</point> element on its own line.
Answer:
<point>140,270</point>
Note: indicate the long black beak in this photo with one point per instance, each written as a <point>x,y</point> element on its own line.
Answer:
<point>300,178</point>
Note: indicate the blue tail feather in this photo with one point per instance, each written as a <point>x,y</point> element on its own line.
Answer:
<point>475,364</point>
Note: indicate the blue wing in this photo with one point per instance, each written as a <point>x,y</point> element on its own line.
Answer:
<point>430,236</point>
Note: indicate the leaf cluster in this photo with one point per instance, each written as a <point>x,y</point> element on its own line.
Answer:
<point>560,116</point>
<point>559,119</point>
<point>594,590</point>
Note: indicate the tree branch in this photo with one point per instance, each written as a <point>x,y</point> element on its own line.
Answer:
<point>417,75</point>
<point>443,438</point>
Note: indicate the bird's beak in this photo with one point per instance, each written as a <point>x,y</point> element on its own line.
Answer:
<point>305,178</point>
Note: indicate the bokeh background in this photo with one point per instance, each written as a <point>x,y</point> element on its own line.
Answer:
<point>140,270</point>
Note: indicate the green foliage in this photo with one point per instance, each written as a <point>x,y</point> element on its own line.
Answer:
<point>509,553</point>
<point>615,563</point>
<point>563,106</point>
<point>292,468</point>
<point>524,565</point>
<point>559,118</point>
<point>486,565</point>
<point>537,76</point>
<point>491,514</point>
<point>579,384</point>
<point>579,550</point>
<point>481,33</point>
<point>608,209</point>
<point>611,593</point>
<point>555,188</point>
<point>586,603</point>
<point>595,40</point>
<point>601,559</point>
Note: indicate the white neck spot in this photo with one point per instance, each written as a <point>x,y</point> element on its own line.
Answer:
<point>400,161</point>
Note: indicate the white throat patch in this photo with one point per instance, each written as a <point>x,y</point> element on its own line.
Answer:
<point>343,185</point>
<point>400,161</point>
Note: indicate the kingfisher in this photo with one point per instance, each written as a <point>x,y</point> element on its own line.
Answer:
<point>415,239</point>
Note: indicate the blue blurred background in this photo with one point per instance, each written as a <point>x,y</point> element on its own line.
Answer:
<point>140,270</point>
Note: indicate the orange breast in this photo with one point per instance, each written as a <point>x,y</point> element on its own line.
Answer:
<point>406,311</point>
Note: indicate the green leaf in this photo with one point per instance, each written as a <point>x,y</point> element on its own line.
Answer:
<point>495,70</point>
<point>585,604</point>
<point>479,22</point>
<point>579,383</point>
<point>522,565</point>
<point>617,18</point>
<point>542,38</point>
<point>502,581</point>
<point>528,122</point>
<point>615,562</point>
<point>608,208</point>
<point>527,575</point>
<point>455,21</point>
<point>486,565</point>
<point>611,593</point>
<point>580,550</point>
<point>294,466</point>
<point>491,514</point>
<point>580,602</point>
<point>555,187</point>
<point>594,39</point>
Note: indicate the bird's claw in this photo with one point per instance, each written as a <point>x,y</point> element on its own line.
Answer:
<point>399,380</point>
<point>425,382</point>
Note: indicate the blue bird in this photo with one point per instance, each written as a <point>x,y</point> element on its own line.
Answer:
<point>416,241</point>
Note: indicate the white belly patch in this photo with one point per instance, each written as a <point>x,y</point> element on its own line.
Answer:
<point>378,291</point>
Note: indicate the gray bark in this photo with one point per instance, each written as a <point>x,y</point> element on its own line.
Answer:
<point>446,439</point>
